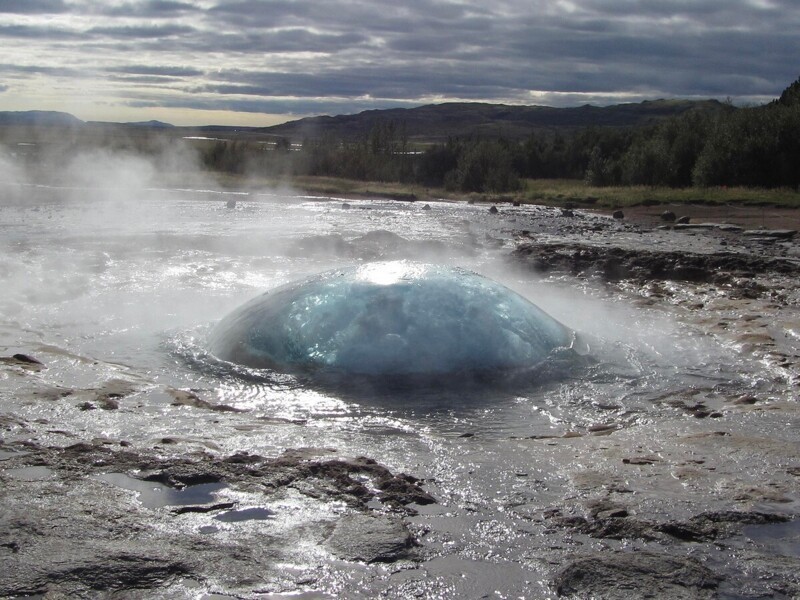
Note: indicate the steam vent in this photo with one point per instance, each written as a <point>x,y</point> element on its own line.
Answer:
<point>388,319</point>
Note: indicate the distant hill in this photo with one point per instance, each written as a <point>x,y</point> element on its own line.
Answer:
<point>433,122</point>
<point>142,124</point>
<point>39,118</point>
<point>439,121</point>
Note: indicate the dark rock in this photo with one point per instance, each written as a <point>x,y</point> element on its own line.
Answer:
<point>346,205</point>
<point>684,220</point>
<point>189,398</point>
<point>668,216</point>
<point>618,214</point>
<point>24,358</point>
<point>641,460</point>
<point>567,212</point>
<point>426,207</point>
<point>231,204</point>
<point>771,234</point>
<point>516,203</point>
<point>493,210</point>
<point>615,263</point>
<point>108,395</point>
<point>627,575</point>
<point>202,508</point>
<point>367,538</point>
<point>23,361</point>
<point>746,399</point>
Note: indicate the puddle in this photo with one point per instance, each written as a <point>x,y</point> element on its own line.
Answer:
<point>30,473</point>
<point>245,514</point>
<point>777,538</point>
<point>208,529</point>
<point>7,454</point>
<point>156,495</point>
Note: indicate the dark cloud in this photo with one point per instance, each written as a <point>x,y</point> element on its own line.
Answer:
<point>300,56</point>
<point>155,70</point>
<point>32,7</point>
<point>142,31</point>
<point>37,31</point>
<point>42,70</point>
<point>150,9</point>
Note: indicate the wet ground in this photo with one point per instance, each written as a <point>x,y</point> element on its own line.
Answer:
<point>135,465</point>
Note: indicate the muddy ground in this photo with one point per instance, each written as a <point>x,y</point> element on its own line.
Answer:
<point>708,511</point>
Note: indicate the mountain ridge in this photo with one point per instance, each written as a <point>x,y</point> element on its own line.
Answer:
<point>464,119</point>
<point>430,121</point>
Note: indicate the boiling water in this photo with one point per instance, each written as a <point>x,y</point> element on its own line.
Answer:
<point>101,288</point>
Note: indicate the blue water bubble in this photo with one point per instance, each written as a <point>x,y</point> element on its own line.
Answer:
<point>389,319</point>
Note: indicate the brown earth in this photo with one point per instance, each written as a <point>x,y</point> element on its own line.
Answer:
<point>749,217</point>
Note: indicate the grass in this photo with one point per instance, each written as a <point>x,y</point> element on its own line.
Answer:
<point>559,192</point>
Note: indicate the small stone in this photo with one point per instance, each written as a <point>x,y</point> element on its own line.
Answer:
<point>668,216</point>
<point>27,359</point>
<point>618,214</point>
<point>746,399</point>
<point>641,460</point>
<point>684,220</point>
<point>493,210</point>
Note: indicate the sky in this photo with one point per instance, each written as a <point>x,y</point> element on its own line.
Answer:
<point>262,62</point>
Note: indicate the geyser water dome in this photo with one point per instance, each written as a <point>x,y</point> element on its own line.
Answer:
<point>390,319</point>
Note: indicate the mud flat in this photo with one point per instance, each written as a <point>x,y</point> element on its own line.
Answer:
<point>678,482</point>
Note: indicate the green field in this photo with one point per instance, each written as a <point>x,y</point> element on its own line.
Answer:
<point>563,191</point>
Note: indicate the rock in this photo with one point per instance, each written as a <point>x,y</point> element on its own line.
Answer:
<point>346,205</point>
<point>107,396</point>
<point>24,358</point>
<point>774,234</point>
<point>684,220</point>
<point>618,214</point>
<point>516,203</point>
<point>566,212</point>
<point>614,264</point>
<point>426,207</point>
<point>370,539</point>
<point>231,204</point>
<point>23,361</point>
<point>493,210</point>
<point>189,398</point>
<point>668,216</point>
<point>641,460</point>
<point>627,575</point>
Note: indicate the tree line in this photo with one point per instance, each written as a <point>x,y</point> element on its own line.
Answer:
<point>757,147</point>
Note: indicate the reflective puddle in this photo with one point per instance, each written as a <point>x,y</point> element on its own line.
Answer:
<point>152,494</point>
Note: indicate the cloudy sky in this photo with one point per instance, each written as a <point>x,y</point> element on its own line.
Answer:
<point>260,62</point>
